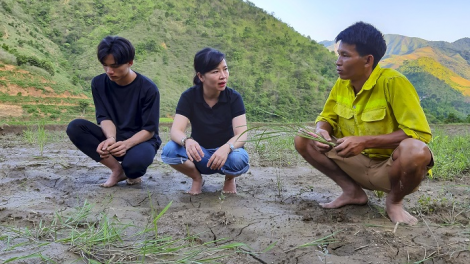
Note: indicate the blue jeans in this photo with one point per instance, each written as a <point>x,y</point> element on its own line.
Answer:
<point>236,163</point>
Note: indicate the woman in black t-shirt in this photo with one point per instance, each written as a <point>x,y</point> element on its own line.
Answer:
<point>218,122</point>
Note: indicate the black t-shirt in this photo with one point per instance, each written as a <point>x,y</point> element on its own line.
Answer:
<point>132,108</point>
<point>211,127</point>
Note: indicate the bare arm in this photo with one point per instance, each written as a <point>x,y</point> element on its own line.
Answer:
<point>109,129</point>
<point>178,128</point>
<point>239,128</point>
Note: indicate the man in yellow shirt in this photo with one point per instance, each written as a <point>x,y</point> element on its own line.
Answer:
<point>379,127</point>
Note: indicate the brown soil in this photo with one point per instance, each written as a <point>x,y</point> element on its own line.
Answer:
<point>264,211</point>
<point>10,110</point>
<point>13,89</point>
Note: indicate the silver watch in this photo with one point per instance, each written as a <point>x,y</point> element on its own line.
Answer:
<point>232,147</point>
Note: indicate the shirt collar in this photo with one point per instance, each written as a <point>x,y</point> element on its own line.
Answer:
<point>372,80</point>
<point>200,99</point>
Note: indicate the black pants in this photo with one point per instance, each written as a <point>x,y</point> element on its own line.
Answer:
<point>86,136</point>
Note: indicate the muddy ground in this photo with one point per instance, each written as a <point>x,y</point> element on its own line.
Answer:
<point>274,204</point>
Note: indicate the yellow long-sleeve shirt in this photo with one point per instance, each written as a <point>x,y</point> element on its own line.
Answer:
<point>387,102</point>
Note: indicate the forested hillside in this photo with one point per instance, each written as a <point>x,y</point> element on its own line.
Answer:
<point>281,74</point>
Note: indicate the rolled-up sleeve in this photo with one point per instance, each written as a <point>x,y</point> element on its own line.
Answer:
<point>407,110</point>
<point>328,114</point>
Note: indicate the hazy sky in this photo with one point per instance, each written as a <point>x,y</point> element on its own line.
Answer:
<point>447,20</point>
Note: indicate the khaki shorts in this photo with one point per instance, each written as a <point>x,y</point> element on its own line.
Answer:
<point>370,173</point>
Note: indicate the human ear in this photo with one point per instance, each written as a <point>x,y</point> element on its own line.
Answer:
<point>369,60</point>
<point>200,76</point>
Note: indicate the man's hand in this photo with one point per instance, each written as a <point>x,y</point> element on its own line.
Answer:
<point>350,146</point>
<point>119,148</point>
<point>102,148</point>
<point>218,159</point>
<point>321,147</point>
<point>193,150</point>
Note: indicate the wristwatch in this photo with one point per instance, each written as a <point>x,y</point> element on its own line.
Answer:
<point>232,147</point>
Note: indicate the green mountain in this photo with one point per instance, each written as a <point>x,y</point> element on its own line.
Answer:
<point>280,74</point>
<point>455,56</point>
<point>401,45</point>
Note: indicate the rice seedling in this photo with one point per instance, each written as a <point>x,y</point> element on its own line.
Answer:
<point>36,255</point>
<point>37,136</point>
<point>28,135</point>
<point>105,239</point>
<point>317,242</point>
<point>277,130</point>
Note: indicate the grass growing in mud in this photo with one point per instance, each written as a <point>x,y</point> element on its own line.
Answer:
<point>102,238</point>
<point>451,155</point>
<point>105,239</point>
<point>37,135</point>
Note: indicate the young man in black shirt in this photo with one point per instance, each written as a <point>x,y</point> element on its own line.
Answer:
<point>127,112</point>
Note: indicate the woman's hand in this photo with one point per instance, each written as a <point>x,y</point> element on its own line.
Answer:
<point>218,159</point>
<point>193,150</point>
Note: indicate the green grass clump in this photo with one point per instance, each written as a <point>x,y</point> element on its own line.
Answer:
<point>451,158</point>
<point>105,239</point>
<point>37,135</point>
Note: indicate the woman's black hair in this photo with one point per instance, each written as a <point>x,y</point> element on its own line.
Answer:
<point>121,49</point>
<point>206,60</point>
<point>367,38</point>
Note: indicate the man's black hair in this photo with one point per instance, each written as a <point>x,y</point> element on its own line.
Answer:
<point>121,49</point>
<point>367,38</point>
<point>206,60</point>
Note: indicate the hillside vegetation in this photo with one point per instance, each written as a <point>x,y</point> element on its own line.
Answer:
<point>281,74</point>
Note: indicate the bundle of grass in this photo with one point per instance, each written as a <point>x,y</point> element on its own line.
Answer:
<point>260,133</point>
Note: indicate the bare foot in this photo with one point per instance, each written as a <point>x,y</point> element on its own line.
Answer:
<point>196,187</point>
<point>229,185</point>
<point>397,214</point>
<point>114,179</point>
<point>130,181</point>
<point>359,197</point>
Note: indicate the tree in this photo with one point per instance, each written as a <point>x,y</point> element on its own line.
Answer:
<point>452,118</point>
<point>82,105</point>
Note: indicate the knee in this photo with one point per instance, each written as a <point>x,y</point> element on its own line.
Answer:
<point>238,161</point>
<point>135,169</point>
<point>75,126</point>
<point>170,149</point>
<point>300,144</point>
<point>414,151</point>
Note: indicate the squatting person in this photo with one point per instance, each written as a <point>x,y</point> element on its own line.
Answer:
<point>127,112</point>
<point>380,127</point>
<point>218,122</point>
